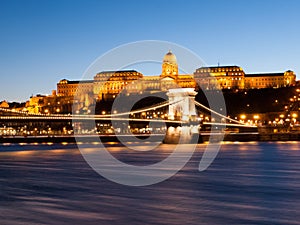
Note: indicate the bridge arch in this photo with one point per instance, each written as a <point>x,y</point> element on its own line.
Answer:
<point>182,105</point>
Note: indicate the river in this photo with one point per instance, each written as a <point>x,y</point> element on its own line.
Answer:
<point>248,183</point>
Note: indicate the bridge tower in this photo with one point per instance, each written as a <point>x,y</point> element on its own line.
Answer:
<point>182,108</point>
<point>183,104</point>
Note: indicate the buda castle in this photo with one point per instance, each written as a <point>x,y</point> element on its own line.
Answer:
<point>108,84</point>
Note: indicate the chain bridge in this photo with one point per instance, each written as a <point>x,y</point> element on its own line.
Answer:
<point>182,115</point>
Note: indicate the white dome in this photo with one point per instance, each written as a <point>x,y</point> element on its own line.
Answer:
<point>170,58</point>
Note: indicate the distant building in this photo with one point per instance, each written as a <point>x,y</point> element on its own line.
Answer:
<point>108,84</point>
<point>234,77</point>
<point>270,80</point>
<point>50,104</point>
<point>4,104</point>
<point>220,77</point>
<point>70,88</point>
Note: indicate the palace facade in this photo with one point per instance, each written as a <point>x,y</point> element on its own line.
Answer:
<point>234,77</point>
<point>108,84</point>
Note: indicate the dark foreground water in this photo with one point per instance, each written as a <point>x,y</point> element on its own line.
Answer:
<point>248,183</point>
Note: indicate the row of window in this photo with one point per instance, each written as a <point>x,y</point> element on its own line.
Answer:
<point>212,70</point>
<point>118,75</point>
<point>269,79</point>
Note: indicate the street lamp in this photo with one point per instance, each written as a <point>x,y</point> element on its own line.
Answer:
<point>243,116</point>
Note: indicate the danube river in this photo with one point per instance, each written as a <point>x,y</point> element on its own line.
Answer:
<point>248,183</point>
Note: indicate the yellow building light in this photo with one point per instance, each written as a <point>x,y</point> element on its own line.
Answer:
<point>243,116</point>
<point>294,115</point>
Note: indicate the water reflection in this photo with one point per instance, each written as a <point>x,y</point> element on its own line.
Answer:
<point>248,183</point>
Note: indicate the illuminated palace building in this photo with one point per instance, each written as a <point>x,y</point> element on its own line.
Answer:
<point>107,85</point>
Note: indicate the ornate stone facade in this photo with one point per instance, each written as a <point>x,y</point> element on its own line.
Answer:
<point>108,84</point>
<point>234,77</point>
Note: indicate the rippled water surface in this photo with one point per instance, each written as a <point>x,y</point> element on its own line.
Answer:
<point>248,183</point>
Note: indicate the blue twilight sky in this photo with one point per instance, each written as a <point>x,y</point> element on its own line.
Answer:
<point>43,41</point>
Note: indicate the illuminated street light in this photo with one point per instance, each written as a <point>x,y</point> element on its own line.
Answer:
<point>294,115</point>
<point>243,116</point>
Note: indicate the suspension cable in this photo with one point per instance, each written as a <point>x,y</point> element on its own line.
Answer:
<point>219,114</point>
<point>163,104</point>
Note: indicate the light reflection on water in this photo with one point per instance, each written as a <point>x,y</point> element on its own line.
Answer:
<point>248,183</point>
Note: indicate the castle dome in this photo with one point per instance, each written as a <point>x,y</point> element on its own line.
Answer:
<point>170,58</point>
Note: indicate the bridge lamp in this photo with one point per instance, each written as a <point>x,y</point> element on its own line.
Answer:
<point>294,115</point>
<point>256,117</point>
<point>243,116</point>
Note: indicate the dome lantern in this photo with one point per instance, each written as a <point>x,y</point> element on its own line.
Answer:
<point>170,58</point>
<point>169,65</point>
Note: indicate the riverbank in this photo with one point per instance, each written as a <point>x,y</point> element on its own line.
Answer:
<point>73,139</point>
<point>205,137</point>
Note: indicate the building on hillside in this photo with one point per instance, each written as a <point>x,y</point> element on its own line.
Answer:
<point>225,77</point>
<point>234,77</point>
<point>270,80</point>
<point>4,104</point>
<point>70,88</point>
<point>108,84</point>
<point>50,104</point>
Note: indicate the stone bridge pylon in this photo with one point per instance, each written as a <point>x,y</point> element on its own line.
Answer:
<point>182,108</point>
<point>183,104</point>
